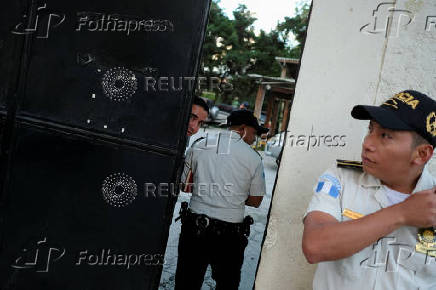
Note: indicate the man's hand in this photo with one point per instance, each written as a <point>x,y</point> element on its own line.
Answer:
<point>419,210</point>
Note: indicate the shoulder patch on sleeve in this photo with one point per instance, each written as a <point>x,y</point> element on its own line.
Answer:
<point>328,184</point>
<point>349,164</point>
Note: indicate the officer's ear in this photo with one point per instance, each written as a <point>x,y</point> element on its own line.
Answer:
<point>425,153</point>
<point>243,131</point>
<point>422,154</point>
<point>422,151</point>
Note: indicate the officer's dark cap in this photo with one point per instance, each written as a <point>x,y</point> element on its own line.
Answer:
<point>408,110</point>
<point>245,117</point>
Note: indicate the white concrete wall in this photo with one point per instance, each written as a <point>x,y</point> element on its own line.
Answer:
<point>341,66</point>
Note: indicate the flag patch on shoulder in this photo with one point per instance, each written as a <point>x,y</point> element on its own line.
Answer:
<point>329,184</point>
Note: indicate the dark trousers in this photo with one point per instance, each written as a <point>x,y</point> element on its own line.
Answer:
<point>224,251</point>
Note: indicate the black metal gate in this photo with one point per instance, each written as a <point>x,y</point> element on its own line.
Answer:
<point>94,101</point>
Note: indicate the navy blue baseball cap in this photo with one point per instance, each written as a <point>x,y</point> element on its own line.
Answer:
<point>245,117</point>
<point>408,110</point>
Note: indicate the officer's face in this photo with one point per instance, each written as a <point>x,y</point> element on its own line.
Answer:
<point>387,154</point>
<point>249,135</point>
<point>198,115</point>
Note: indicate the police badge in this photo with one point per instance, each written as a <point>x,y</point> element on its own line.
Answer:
<point>426,241</point>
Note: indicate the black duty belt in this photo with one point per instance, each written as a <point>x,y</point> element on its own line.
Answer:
<point>204,223</point>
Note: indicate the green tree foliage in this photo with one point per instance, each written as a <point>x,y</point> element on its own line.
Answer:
<point>296,25</point>
<point>239,56</point>
<point>232,49</point>
<point>219,35</point>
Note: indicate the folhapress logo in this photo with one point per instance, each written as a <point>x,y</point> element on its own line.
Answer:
<point>101,22</point>
<point>41,25</point>
<point>388,20</point>
<point>119,190</point>
<point>38,257</point>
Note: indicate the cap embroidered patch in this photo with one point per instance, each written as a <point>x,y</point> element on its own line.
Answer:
<point>431,124</point>
<point>404,97</point>
<point>329,184</point>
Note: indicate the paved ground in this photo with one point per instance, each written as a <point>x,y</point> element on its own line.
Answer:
<point>257,231</point>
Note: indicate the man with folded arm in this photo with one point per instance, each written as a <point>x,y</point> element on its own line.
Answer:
<point>370,224</point>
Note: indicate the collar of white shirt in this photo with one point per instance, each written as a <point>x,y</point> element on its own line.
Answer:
<point>425,181</point>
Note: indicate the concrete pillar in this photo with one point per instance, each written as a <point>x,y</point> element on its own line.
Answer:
<point>346,61</point>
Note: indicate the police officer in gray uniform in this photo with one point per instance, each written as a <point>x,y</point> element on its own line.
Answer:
<point>369,224</point>
<point>224,174</point>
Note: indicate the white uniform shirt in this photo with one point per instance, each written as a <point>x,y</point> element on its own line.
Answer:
<point>391,262</point>
<point>225,171</point>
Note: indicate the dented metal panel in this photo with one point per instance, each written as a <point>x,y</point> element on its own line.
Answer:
<point>88,128</point>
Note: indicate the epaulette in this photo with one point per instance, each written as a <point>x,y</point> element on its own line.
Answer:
<point>198,140</point>
<point>349,164</point>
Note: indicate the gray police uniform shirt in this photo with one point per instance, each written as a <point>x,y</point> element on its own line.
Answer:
<point>225,171</point>
<point>389,263</point>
